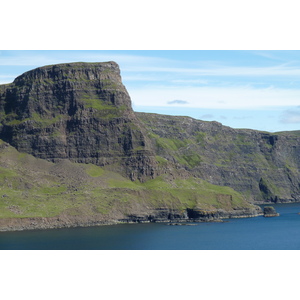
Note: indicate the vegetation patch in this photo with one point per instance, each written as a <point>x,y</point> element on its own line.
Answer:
<point>170,144</point>
<point>200,138</point>
<point>94,171</point>
<point>161,161</point>
<point>97,104</point>
<point>191,159</point>
<point>46,121</point>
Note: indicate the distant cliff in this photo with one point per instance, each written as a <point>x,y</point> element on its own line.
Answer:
<point>99,161</point>
<point>262,166</point>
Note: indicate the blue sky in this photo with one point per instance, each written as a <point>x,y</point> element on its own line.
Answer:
<point>242,89</point>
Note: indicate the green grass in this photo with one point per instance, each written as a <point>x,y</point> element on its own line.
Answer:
<point>171,144</point>
<point>161,161</point>
<point>200,137</point>
<point>44,122</point>
<point>94,171</point>
<point>123,183</point>
<point>103,109</point>
<point>55,200</point>
<point>15,122</point>
<point>108,84</point>
<point>6,173</point>
<point>97,104</point>
<point>191,159</point>
<point>31,187</point>
<point>53,190</point>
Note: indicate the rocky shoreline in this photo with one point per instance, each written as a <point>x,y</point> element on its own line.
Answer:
<point>160,215</point>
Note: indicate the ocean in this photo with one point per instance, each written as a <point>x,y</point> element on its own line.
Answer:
<point>259,233</point>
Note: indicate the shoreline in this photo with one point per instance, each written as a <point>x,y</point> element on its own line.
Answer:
<point>159,216</point>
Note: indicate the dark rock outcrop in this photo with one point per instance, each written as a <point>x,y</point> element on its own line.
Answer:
<point>269,211</point>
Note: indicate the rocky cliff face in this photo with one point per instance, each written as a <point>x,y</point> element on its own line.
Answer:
<point>79,111</point>
<point>82,112</point>
<point>262,166</point>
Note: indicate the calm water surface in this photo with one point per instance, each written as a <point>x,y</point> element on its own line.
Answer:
<point>279,233</point>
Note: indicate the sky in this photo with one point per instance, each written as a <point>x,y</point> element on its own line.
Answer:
<point>253,89</point>
<point>243,89</point>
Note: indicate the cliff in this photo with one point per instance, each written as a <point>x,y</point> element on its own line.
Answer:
<point>264,167</point>
<point>78,111</point>
<point>73,153</point>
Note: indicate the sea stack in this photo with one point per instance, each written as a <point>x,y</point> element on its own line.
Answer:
<point>269,211</point>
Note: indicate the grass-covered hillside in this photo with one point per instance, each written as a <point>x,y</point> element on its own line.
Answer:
<point>32,187</point>
<point>262,166</point>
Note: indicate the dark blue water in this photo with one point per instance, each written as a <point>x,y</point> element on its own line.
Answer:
<point>278,233</point>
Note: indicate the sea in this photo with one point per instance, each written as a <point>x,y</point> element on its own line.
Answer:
<point>259,233</point>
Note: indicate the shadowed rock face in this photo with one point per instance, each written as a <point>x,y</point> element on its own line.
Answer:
<point>79,111</point>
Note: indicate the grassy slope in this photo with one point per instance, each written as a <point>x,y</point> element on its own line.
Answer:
<point>247,154</point>
<point>31,187</point>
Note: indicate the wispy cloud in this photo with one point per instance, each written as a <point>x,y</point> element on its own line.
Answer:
<point>140,63</point>
<point>280,70</point>
<point>157,81</point>
<point>217,97</point>
<point>207,116</point>
<point>140,67</point>
<point>272,55</point>
<point>6,78</point>
<point>30,58</point>
<point>243,117</point>
<point>291,116</point>
<point>139,77</point>
<point>190,81</point>
<point>178,102</point>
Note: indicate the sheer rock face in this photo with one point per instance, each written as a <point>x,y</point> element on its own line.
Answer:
<point>264,167</point>
<point>77,111</point>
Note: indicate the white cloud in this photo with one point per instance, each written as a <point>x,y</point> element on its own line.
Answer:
<point>6,79</point>
<point>207,116</point>
<point>176,82</point>
<point>178,102</point>
<point>217,97</point>
<point>243,117</point>
<point>273,55</point>
<point>40,58</point>
<point>291,116</point>
<point>142,64</point>
<point>139,77</point>
<point>279,70</point>
<point>192,81</point>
